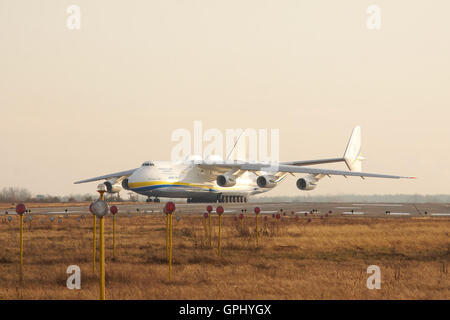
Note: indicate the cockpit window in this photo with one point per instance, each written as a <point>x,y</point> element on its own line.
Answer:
<point>147,164</point>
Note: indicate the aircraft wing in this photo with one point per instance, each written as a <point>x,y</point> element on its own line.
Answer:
<point>288,168</point>
<point>298,169</point>
<point>352,158</point>
<point>121,174</point>
<point>224,166</point>
<point>312,162</point>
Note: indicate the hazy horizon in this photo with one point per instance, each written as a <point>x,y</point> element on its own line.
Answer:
<point>82,103</point>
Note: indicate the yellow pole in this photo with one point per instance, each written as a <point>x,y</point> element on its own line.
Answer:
<point>167,236</point>
<point>206,231</point>
<point>94,231</point>
<point>256,230</point>
<point>102,259</point>
<point>210,233</point>
<point>21,247</point>
<point>220,222</point>
<point>114,237</point>
<point>170,246</point>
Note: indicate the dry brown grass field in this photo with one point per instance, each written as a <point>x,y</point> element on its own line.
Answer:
<point>322,259</point>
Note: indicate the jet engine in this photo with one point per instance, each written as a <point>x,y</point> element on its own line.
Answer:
<point>266,181</point>
<point>125,184</point>
<point>226,180</point>
<point>112,186</point>
<point>307,182</point>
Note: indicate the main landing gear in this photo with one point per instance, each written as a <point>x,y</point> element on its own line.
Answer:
<point>233,199</point>
<point>150,199</point>
<point>199,200</point>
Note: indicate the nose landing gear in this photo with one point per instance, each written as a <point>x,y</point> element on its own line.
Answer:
<point>150,200</point>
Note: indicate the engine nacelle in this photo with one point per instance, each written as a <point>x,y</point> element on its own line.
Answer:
<point>307,183</point>
<point>125,184</point>
<point>225,180</point>
<point>266,181</point>
<point>113,187</point>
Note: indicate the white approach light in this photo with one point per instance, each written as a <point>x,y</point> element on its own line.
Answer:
<point>100,208</point>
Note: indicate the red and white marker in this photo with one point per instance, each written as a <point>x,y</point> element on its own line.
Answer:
<point>113,209</point>
<point>21,208</point>
<point>170,207</point>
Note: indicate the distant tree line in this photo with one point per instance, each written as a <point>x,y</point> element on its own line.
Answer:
<point>14,195</point>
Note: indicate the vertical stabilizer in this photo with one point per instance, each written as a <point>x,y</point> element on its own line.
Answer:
<point>352,155</point>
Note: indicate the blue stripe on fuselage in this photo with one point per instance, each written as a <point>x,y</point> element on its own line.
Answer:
<point>147,188</point>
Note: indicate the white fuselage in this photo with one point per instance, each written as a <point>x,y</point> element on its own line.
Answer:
<point>186,180</point>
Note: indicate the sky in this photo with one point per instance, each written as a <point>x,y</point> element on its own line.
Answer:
<point>104,98</point>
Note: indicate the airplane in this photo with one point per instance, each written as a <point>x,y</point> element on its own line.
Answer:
<point>216,180</point>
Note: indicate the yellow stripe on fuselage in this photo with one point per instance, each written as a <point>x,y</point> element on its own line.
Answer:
<point>134,185</point>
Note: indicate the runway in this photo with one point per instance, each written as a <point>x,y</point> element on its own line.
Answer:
<point>393,210</point>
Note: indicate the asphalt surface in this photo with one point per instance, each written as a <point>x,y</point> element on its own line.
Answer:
<point>289,208</point>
